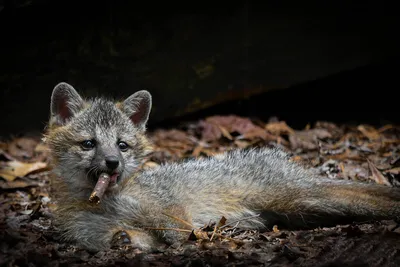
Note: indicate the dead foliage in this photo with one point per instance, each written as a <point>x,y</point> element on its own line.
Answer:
<point>360,152</point>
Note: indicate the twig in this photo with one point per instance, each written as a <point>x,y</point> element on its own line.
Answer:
<point>168,229</point>
<point>215,230</point>
<point>179,220</point>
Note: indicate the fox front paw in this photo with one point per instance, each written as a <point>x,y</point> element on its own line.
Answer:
<point>134,238</point>
<point>121,238</point>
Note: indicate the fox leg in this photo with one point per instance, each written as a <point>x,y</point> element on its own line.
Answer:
<point>96,231</point>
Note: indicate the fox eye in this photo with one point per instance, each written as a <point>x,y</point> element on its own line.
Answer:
<point>123,146</point>
<point>88,144</point>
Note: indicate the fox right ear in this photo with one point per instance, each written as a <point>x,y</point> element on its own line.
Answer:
<point>65,103</point>
<point>138,107</point>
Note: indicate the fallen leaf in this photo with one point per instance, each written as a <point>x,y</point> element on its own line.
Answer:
<point>15,184</point>
<point>242,143</point>
<point>394,171</point>
<point>278,128</point>
<point>221,222</point>
<point>213,128</point>
<point>225,132</point>
<point>26,212</point>
<point>377,176</point>
<point>22,148</point>
<point>198,234</point>
<point>308,139</point>
<point>387,127</point>
<point>368,131</point>
<point>354,171</point>
<point>330,127</point>
<point>196,151</point>
<point>4,156</point>
<point>14,169</point>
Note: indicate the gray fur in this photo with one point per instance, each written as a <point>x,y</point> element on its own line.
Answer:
<point>238,185</point>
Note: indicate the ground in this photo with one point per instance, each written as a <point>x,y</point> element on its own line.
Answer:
<point>360,152</point>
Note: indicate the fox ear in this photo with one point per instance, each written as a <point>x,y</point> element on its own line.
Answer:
<point>138,107</point>
<point>65,103</point>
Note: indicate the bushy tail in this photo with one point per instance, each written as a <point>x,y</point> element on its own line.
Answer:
<point>336,202</point>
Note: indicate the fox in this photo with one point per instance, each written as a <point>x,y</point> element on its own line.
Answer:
<point>260,187</point>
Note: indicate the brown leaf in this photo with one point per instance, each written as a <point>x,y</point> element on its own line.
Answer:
<point>196,151</point>
<point>213,128</point>
<point>13,169</point>
<point>16,184</point>
<point>377,176</point>
<point>176,141</point>
<point>5,156</point>
<point>209,131</point>
<point>22,148</point>
<point>394,171</point>
<point>368,131</point>
<point>278,128</point>
<point>221,222</point>
<point>225,132</point>
<point>330,127</point>
<point>258,133</point>
<point>348,154</point>
<point>354,171</point>
<point>242,143</point>
<point>198,234</point>
<point>308,139</point>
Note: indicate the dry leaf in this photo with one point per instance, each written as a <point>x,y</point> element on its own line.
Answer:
<point>196,151</point>
<point>354,171</point>
<point>308,139</point>
<point>377,176</point>
<point>258,133</point>
<point>14,169</point>
<point>242,143</point>
<point>221,222</point>
<point>22,148</point>
<point>26,212</point>
<point>197,234</point>
<point>278,128</point>
<point>225,132</point>
<point>394,171</point>
<point>16,184</point>
<point>213,128</point>
<point>368,131</point>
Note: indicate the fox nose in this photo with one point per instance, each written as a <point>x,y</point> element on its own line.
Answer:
<point>112,162</point>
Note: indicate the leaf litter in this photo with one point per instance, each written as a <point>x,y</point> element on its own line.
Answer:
<point>360,152</point>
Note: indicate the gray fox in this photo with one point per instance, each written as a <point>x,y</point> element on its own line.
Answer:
<point>89,137</point>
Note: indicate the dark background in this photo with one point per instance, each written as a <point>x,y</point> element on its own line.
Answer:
<point>302,62</point>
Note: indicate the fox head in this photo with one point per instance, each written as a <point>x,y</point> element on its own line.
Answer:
<point>88,137</point>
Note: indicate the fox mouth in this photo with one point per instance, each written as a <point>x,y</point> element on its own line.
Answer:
<point>114,177</point>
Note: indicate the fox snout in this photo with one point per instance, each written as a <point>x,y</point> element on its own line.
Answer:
<point>109,162</point>
<point>112,162</point>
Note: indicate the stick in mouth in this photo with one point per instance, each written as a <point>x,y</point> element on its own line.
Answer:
<point>100,188</point>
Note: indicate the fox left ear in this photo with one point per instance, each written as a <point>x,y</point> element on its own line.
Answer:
<point>138,107</point>
<point>65,103</point>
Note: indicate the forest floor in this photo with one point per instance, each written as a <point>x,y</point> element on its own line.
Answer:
<point>360,152</point>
